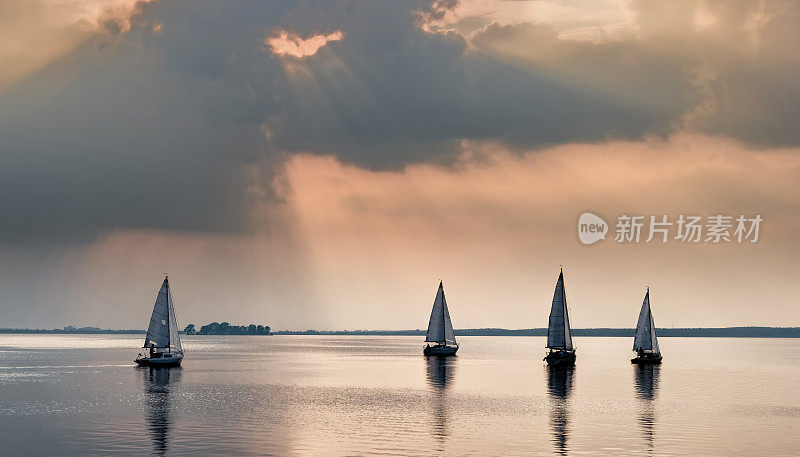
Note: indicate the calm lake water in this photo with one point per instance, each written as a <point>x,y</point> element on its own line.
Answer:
<point>346,395</point>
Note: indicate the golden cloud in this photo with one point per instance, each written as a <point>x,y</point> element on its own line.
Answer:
<point>285,43</point>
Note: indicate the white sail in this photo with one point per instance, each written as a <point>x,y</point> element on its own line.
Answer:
<point>440,328</point>
<point>449,335</point>
<point>653,338</point>
<point>645,338</point>
<point>559,335</point>
<point>162,333</point>
<point>174,334</point>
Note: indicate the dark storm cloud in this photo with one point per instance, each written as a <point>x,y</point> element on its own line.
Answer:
<point>157,126</point>
<point>719,67</point>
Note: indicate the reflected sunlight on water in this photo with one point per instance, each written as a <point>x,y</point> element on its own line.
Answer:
<point>346,395</point>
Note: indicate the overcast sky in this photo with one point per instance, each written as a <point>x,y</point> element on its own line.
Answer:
<point>322,164</point>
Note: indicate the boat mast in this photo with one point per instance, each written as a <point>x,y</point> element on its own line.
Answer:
<point>649,319</point>
<point>169,327</point>
<point>653,338</point>
<point>649,322</point>
<point>444,326</point>
<point>564,297</point>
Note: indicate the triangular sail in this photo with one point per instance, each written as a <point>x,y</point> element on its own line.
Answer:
<point>158,331</point>
<point>162,333</point>
<point>440,328</point>
<point>653,338</point>
<point>559,335</point>
<point>174,334</point>
<point>645,338</point>
<point>449,335</point>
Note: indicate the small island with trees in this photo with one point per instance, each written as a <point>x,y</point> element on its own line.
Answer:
<point>224,328</point>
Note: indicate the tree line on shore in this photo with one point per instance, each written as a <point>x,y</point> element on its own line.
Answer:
<point>224,328</point>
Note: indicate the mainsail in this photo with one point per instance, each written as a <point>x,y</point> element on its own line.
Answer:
<point>440,328</point>
<point>645,338</point>
<point>558,331</point>
<point>162,334</point>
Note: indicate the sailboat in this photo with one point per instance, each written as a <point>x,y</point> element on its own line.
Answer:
<point>559,335</point>
<point>645,342</point>
<point>162,341</point>
<point>440,329</point>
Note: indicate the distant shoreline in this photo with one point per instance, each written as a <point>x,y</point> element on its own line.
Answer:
<point>58,331</point>
<point>721,332</point>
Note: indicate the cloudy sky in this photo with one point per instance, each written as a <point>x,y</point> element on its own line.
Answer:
<point>322,164</point>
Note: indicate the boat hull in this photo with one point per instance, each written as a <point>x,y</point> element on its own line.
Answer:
<point>159,361</point>
<point>560,358</point>
<point>441,351</point>
<point>647,360</point>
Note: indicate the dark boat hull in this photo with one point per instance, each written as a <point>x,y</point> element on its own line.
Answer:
<point>441,351</point>
<point>159,362</point>
<point>647,360</point>
<point>560,358</point>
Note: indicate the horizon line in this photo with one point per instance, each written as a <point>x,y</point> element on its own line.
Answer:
<point>483,330</point>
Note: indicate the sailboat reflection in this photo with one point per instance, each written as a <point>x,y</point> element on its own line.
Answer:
<point>440,374</point>
<point>440,371</point>
<point>646,384</point>
<point>559,387</point>
<point>157,385</point>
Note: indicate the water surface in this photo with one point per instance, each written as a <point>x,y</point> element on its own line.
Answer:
<point>365,395</point>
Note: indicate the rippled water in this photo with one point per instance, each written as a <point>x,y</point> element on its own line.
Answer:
<point>324,395</point>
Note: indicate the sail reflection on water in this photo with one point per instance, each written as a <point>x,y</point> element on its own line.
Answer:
<point>646,384</point>
<point>440,372</point>
<point>158,384</point>
<point>559,387</point>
